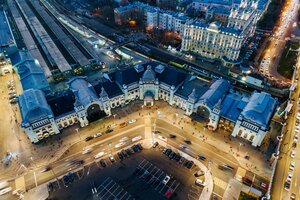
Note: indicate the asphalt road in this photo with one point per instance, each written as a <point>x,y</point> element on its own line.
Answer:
<point>282,169</point>
<point>62,166</point>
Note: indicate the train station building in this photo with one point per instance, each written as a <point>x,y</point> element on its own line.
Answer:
<point>215,103</point>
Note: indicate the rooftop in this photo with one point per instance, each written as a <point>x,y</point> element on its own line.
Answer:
<point>33,106</point>
<point>233,105</point>
<point>260,109</point>
<point>62,104</point>
<point>6,37</point>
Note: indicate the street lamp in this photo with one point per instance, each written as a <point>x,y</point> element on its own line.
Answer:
<point>240,144</point>
<point>77,130</point>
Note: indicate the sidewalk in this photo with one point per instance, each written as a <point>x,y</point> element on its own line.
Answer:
<point>38,193</point>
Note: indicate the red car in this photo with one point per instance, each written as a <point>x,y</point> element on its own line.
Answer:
<point>169,193</point>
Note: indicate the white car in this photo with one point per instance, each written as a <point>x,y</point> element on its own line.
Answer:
<point>199,182</point>
<point>119,145</point>
<point>86,150</point>
<point>166,180</point>
<point>5,190</point>
<point>124,139</point>
<point>296,138</point>
<point>99,155</point>
<point>97,135</point>
<point>293,154</point>
<point>137,138</point>
<point>132,121</point>
<point>162,138</point>
<point>3,184</point>
<point>289,177</point>
<point>292,166</point>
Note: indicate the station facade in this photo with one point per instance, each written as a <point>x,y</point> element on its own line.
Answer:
<point>215,103</point>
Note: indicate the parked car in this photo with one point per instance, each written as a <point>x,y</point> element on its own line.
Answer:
<point>111,158</point>
<point>166,180</point>
<point>172,155</point>
<point>287,185</point>
<point>292,165</point>
<point>293,196</point>
<point>102,163</point>
<point>293,154</point>
<point>120,155</point>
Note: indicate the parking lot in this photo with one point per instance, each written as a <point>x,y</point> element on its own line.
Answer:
<point>135,174</point>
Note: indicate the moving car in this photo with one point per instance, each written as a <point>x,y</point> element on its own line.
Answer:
<point>132,121</point>
<point>87,150</point>
<point>201,158</point>
<point>5,190</point>
<point>88,138</point>
<point>137,138</point>
<point>172,136</point>
<point>99,155</point>
<point>97,135</point>
<point>155,145</point>
<point>188,141</point>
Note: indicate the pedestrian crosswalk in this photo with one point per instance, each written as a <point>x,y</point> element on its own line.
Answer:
<point>220,183</point>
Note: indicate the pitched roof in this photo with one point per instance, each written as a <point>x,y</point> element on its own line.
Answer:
<point>32,75</point>
<point>33,106</point>
<point>215,92</point>
<point>260,109</point>
<point>232,106</point>
<point>83,90</point>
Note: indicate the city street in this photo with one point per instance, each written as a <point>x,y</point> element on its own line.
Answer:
<point>277,42</point>
<point>285,159</point>
<point>228,152</point>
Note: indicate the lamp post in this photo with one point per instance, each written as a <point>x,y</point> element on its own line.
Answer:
<point>77,131</point>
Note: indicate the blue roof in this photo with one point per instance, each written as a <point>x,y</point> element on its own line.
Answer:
<point>33,106</point>
<point>6,37</point>
<point>215,92</point>
<point>32,75</point>
<point>83,90</point>
<point>232,106</point>
<point>260,109</point>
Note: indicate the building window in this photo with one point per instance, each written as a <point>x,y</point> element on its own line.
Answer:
<point>251,138</point>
